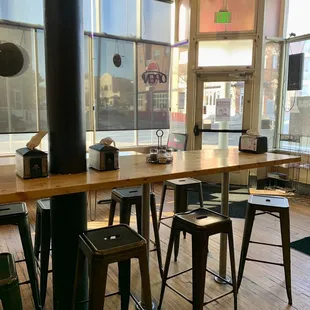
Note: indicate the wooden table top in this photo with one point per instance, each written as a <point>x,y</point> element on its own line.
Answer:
<point>134,171</point>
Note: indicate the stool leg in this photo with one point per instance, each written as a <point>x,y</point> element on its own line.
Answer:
<point>156,233</point>
<point>37,238</point>
<point>200,195</point>
<point>112,212</point>
<point>45,253</point>
<point>124,283</point>
<point>80,263</point>
<point>167,264</point>
<point>25,235</point>
<point>11,300</point>
<point>199,262</point>
<point>248,225</point>
<point>138,216</point>
<point>125,212</point>
<point>97,284</point>
<point>286,250</point>
<point>232,264</point>
<point>162,201</point>
<point>145,280</point>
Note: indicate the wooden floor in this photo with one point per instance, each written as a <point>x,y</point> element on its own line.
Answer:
<point>262,287</point>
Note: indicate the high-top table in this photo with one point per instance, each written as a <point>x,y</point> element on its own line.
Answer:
<point>135,171</point>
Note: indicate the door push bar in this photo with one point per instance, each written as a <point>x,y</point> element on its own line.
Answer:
<point>198,130</point>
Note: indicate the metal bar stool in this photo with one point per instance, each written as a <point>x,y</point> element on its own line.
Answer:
<point>109,245</point>
<point>17,214</point>
<point>9,287</point>
<point>181,188</point>
<point>268,205</point>
<point>42,243</point>
<point>127,197</point>
<point>201,224</point>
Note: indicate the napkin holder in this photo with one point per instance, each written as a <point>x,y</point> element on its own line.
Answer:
<point>103,157</point>
<point>31,163</point>
<point>253,144</point>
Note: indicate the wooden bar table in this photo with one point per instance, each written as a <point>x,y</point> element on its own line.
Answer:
<point>135,171</point>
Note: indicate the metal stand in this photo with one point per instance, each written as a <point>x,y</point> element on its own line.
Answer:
<point>223,241</point>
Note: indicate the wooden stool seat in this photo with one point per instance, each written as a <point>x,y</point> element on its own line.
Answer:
<point>201,224</point>
<point>109,245</point>
<point>17,214</point>
<point>9,287</point>
<point>42,243</point>
<point>268,205</point>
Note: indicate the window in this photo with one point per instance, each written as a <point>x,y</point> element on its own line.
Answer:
<point>297,17</point>
<point>184,20</point>
<point>156,21</point>
<point>114,86</point>
<point>119,17</point>
<point>153,77</point>
<point>242,15</point>
<point>225,53</point>
<point>18,104</point>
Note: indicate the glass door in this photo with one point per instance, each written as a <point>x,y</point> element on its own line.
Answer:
<point>222,109</point>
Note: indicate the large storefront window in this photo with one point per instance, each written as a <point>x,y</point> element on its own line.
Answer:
<point>242,15</point>
<point>295,130</point>
<point>297,17</point>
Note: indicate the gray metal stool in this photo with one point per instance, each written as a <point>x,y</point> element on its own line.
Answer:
<point>268,205</point>
<point>104,246</point>
<point>127,197</point>
<point>181,188</point>
<point>200,224</point>
<point>17,214</point>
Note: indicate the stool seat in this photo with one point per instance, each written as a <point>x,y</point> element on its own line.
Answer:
<point>182,182</point>
<point>200,224</point>
<point>270,202</point>
<point>102,241</point>
<point>9,287</point>
<point>128,192</point>
<point>12,209</point>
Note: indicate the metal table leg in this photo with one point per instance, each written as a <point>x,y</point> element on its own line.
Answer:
<point>146,226</point>
<point>223,240</point>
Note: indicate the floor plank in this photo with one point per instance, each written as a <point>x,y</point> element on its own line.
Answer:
<point>263,286</point>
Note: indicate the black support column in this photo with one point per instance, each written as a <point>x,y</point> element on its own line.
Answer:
<point>65,111</point>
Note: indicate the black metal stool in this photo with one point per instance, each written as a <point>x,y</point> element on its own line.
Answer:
<point>181,188</point>
<point>17,214</point>
<point>269,205</point>
<point>127,197</point>
<point>42,243</point>
<point>201,224</point>
<point>9,287</point>
<point>109,245</point>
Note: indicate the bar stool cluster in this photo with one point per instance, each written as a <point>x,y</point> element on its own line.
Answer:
<point>120,243</point>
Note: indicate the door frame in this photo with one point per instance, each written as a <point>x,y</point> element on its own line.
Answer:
<point>246,77</point>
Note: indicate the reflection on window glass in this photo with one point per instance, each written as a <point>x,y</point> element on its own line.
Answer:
<point>179,89</point>
<point>114,69</point>
<point>42,82</point>
<point>184,19</point>
<point>119,17</point>
<point>242,15</point>
<point>89,15</point>
<point>121,138</point>
<point>148,137</point>
<point>153,86</point>
<point>297,15</point>
<point>295,122</point>
<point>270,91</point>
<point>225,53</point>
<point>213,115</point>
<point>24,11</point>
<point>18,104</point>
<point>156,21</point>
<point>272,18</point>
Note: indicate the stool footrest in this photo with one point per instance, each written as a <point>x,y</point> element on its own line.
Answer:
<point>265,262</point>
<point>265,212</point>
<point>25,282</point>
<point>217,275</point>
<point>263,243</point>
<point>179,273</point>
<point>104,202</point>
